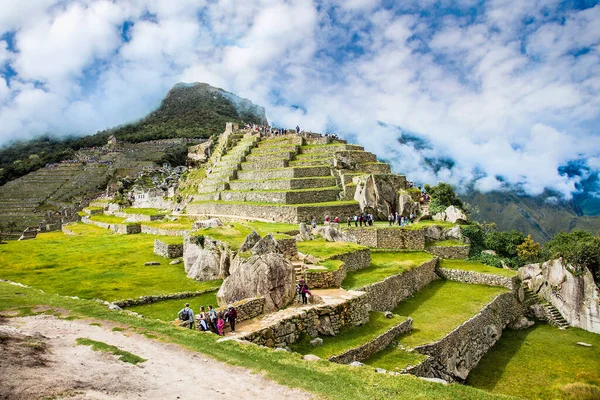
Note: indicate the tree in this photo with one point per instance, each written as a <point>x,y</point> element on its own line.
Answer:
<point>580,249</point>
<point>504,243</point>
<point>442,197</point>
<point>529,251</point>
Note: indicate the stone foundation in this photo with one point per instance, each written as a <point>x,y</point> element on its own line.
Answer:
<point>247,308</point>
<point>389,238</point>
<point>319,320</point>
<point>478,278</point>
<point>387,294</point>
<point>355,260</point>
<point>122,229</point>
<point>366,350</point>
<point>326,279</point>
<point>156,298</point>
<point>152,230</point>
<point>450,252</point>
<point>138,217</point>
<point>168,250</point>
<point>454,356</point>
<point>287,247</point>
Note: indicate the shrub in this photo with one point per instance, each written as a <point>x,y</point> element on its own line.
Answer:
<point>476,235</point>
<point>529,251</point>
<point>443,196</point>
<point>578,248</point>
<point>504,243</point>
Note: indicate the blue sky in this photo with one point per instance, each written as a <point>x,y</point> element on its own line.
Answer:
<point>506,89</point>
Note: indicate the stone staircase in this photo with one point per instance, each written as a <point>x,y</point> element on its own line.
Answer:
<point>552,314</point>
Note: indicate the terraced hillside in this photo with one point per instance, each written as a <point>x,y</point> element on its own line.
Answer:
<point>288,178</point>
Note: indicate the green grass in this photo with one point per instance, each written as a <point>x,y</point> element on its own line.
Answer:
<point>107,219</point>
<point>143,211</point>
<point>124,356</point>
<point>541,362</point>
<point>118,329</point>
<point>325,379</point>
<point>181,223</point>
<point>86,229</point>
<point>232,234</point>
<point>172,239</point>
<point>167,310</point>
<point>349,338</point>
<point>97,265</point>
<point>94,208</point>
<point>323,249</point>
<point>271,227</point>
<point>383,265</point>
<point>394,358</point>
<point>476,267</point>
<point>448,243</point>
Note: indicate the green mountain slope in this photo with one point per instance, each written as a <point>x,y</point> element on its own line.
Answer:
<point>537,216</point>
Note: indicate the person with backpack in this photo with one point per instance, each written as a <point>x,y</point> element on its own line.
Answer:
<point>187,316</point>
<point>299,290</point>
<point>305,293</point>
<point>232,315</point>
<point>212,317</point>
<point>203,320</point>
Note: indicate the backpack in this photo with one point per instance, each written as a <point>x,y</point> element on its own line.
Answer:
<point>185,315</point>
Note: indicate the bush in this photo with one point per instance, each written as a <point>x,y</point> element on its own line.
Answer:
<point>489,259</point>
<point>476,235</point>
<point>578,248</point>
<point>504,243</point>
<point>529,251</point>
<point>442,197</point>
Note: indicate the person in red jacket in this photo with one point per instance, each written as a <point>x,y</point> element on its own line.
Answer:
<point>231,316</point>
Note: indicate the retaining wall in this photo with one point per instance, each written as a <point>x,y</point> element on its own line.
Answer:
<point>450,252</point>
<point>365,351</point>
<point>454,356</point>
<point>247,308</point>
<point>151,230</point>
<point>168,250</point>
<point>389,238</point>
<point>355,260</point>
<point>326,279</point>
<point>159,297</point>
<point>387,294</point>
<point>122,229</point>
<point>478,278</point>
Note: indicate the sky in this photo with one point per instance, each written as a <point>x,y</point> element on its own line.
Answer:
<point>485,94</point>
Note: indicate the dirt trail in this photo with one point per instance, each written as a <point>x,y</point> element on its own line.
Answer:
<point>39,359</point>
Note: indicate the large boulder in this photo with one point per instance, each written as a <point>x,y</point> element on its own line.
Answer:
<point>268,275</point>
<point>332,233</point>
<point>406,205</point>
<point>208,223</point>
<point>207,260</point>
<point>453,233</point>
<point>250,241</point>
<point>433,233</point>
<point>378,193</point>
<point>304,231</point>
<point>576,296</point>
<point>266,245</point>
<point>451,214</point>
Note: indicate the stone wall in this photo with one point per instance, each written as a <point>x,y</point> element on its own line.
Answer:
<point>389,238</point>
<point>387,294</point>
<point>283,184</point>
<point>288,247</point>
<point>283,197</point>
<point>326,279</point>
<point>454,356</point>
<point>160,297</point>
<point>355,260</point>
<point>318,320</point>
<point>366,350</point>
<point>168,250</point>
<point>122,229</point>
<point>247,308</point>
<point>450,252</point>
<point>138,217</point>
<point>478,278</point>
<point>295,172</point>
<point>152,230</point>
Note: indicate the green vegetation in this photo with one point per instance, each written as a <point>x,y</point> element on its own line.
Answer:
<point>448,243</point>
<point>323,249</point>
<point>330,265</point>
<point>578,248</point>
<point>395,358</point>
<point>256,203</point>
<point>167,310</point>
<point>442,197</point>
<point>142,211</point>
<point>181,223</point>
<point>383,265</point>
<point>107,219</point>
<point>270,227</point>
<point>98,265</point>
<point>94,208</point>
<point>541,362</point>
<point>232,234</point>
<point>124,356</point>
<point>476,267</point>
<point>349,338</point>
<point>325,379</point>
<point>190,180</point>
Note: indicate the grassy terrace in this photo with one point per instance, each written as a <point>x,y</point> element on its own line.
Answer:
<point>143,211</point>
<point>323,249</point>
<point>271,227</point>
<point>167,310</point>
<point>349,338</point>
<point>436,310</point>
<point>476,267</point>
<point>181,223</point>
<point>255,203</point>
<point>383,265</point>
<point>541,362</point>
<point>107,219</point>
<point>232,234</point>
<point>448,243</point>
<point>94,264</point>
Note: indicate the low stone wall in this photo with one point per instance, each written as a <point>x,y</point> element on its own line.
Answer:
<point>389,238</point>
<point>247,308</point>
<point>288,247</point>
<point>65,229</point>
<point>326,279</point>
<point>122,229</point>
<point>138,217</point>
<point>454,356</point>
<point>379,343</point>
<point>152,230</point>
<point>450,252</point>
<point>478,278</point>
<point>387,294</point>
<point>283,184</point>
<point>283,197</point>
<point>156,298</point>
<point>319,320</point>
<point>355,260</point>
<point>295,172</point>
<point>168,250</point>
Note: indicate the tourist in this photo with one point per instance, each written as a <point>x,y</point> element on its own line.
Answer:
<point>355,220</point>
<point>349,221</point>
<point>327,220</point>
<point>314,223</point>
<point>336,220</point>
<point>411,216</point>
<point>212,316</point>
<point>202,320</point>
<point>391,219</point>
<point>299,290</point>
<point>305,293</point>
<point>360,219</point>
<point>231,316</point>
<point>370,219</point>
<point>187,316</point>
<point>220,325</point>
<point>297,129</point>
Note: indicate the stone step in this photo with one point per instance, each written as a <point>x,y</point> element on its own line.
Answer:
<point>283,184</point>
<point>264,164</point>
<point>291,139</point>
<point>260,157</point>
<point>330,148</point>
<point>280,173</point>
<point>312,162</point>
<point>321,195</point>
<point>271,149</point>
<point>374,168</point>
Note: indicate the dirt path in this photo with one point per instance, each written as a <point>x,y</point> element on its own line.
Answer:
<point>39,359</point>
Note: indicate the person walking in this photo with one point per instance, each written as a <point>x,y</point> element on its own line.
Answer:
<point>220,325</point>
<point>232,316</point>
<point>212,317</point>
<point>203,320</point>
<point>299,290</point>
<point>187,316</point>
<point>305,293</point>
<point>349,221</point>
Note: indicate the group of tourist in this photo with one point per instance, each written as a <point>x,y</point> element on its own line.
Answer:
<point>208,321</point>
<point>361,219</point>
<point>400,220</point>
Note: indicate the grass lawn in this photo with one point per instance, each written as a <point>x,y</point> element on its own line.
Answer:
<point>95,265</point>
<point>271,227</point>
<point>167,310</point>
<point>232,234</point>
<point>383,265</point>
<point>394,358</point>
<point>324,379</point>
<point>541,362</point>
<point>107,219</point>
<point>142,211</point>
<point>476,267</point>
<point>330,265</point>
<point>181,223</point>
<point>448,243</point>
<point>124,356</point>
<point>323,249</point>
<point>350,338</point>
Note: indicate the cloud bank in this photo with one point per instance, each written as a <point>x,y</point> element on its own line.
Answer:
<point>502,92</point>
